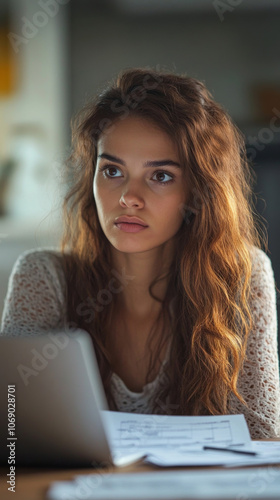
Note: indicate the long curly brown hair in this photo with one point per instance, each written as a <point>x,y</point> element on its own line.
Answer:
<point>210,274</point>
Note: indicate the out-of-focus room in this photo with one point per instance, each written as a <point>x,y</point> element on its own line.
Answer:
<point>55,55</point>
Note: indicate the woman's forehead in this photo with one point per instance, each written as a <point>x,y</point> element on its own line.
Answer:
<point>137,135</point>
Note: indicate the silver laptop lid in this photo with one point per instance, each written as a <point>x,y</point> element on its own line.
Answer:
<point>58,396</point>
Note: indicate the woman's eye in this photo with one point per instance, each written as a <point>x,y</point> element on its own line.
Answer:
<point>110,171</point>
<point>160,176</point>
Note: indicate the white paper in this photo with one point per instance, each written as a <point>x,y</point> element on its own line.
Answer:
<point>267,447</point>
<point>175,440</point>
<point>254,484</point>
<point>268,454</point>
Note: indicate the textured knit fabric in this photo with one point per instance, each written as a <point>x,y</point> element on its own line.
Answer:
<point>35,302</point>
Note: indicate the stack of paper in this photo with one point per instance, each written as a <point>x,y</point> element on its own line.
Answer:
<point>244,484</point>
<point>166,440</point>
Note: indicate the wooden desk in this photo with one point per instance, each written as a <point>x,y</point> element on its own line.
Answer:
<point>32,483</point>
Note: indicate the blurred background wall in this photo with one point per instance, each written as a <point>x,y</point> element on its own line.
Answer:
<point>55,54</point>
<point>34,106</point>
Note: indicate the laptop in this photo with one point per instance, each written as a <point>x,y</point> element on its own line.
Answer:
<point>53,387</point>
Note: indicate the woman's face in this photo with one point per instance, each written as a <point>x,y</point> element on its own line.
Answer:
<point>138,174</point>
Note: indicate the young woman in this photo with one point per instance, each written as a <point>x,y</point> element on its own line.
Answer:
<point>161,259</point>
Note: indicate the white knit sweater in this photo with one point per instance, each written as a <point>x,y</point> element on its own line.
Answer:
<point>35,301</point>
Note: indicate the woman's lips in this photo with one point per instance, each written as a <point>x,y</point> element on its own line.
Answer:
<point>129,227</point>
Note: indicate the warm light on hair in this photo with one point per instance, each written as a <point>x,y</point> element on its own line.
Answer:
<point>211,272</point>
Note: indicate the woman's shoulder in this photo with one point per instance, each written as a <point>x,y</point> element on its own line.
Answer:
<point>36,255</point>
<point>261,263</point>
<point>36,262</point>
<point>39,257</point>
<point>263,287</point>
<point>35,297</point>
<point>259,256</point>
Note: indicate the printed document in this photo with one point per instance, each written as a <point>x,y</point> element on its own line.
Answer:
<point>167,440</point>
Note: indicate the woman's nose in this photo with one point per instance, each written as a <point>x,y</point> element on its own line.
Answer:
<point>131,197</point>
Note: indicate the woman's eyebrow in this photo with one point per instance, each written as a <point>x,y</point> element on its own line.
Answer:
<point>155,163</point>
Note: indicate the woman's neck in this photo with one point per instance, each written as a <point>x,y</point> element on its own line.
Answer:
<point>134,299</point>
